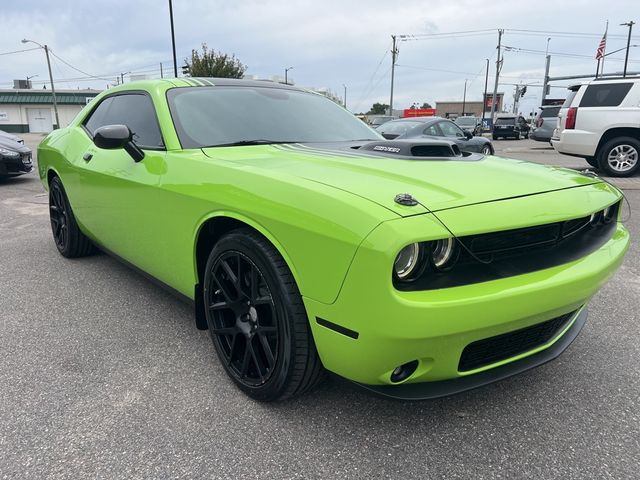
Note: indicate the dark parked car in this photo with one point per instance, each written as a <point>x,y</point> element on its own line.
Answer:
<point>436,128</point>
<point>470,124</point>
<point>15,158</point>
<point>545,123</point>
<point>510,126</point>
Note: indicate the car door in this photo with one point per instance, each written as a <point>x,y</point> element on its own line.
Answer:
<point>120,200</point>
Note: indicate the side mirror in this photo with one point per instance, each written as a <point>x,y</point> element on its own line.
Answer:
<point>468,134</point>
<point>114,137</point>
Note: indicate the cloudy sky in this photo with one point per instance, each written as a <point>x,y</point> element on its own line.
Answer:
<point>328,43</point>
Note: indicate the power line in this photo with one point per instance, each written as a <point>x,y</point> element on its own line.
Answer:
<point>556,33</point>
<point>20,51</point>
<point>77,69</point>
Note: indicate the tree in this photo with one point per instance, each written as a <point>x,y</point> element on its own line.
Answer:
<point>426,105</point>
<point>210,63</point>
<point>378,109</point>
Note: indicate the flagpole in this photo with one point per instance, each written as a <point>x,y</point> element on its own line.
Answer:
<point>597,68</point>
<point>606,29</point>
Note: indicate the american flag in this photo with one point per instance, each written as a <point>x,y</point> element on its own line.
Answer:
<point>601,47</point>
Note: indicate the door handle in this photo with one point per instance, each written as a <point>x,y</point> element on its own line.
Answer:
<point>87,157</point>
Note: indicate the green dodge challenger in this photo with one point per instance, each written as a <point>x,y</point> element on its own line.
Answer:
<point>306,242</point>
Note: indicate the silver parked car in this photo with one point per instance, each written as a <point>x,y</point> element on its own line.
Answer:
<point>545,123</point>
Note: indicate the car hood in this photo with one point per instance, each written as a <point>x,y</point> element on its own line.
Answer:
<point>9,144</point>
<point>437,183</point>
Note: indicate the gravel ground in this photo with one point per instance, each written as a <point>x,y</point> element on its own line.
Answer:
<point>104,375</point>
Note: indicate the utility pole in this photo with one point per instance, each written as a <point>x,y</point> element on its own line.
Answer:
<point>484,99</point>
<point>173,41</point>
<point>516,96</point>
<point>464,97</point>
<point>545,85</point>
<point>629,24</point>
<point>345,95</point>
<point>53,89</point>
<point>394,53</point>
<point>161,73</point>
<point>498,68</point>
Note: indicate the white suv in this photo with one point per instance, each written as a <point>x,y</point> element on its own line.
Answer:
<point>600,122</point>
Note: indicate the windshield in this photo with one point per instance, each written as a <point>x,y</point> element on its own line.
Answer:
<point>211,116</point>
<point>466,121</point>
<point>505,121</point>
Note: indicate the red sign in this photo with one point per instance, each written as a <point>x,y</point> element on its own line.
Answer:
<point>419,112</point>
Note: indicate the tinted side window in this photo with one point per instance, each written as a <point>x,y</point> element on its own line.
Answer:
<point>570,97</point>
<point>96,120</point>
<point>450,129</point>
<point>605,95</point>
<point>432,130</point>
<point>133,110</point>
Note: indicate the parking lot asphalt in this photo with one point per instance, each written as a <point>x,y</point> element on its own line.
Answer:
<point>103,375</point>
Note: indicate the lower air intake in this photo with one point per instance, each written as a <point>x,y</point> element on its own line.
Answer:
<point>494,349</point>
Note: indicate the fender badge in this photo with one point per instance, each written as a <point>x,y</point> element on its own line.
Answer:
<point>405,199</point>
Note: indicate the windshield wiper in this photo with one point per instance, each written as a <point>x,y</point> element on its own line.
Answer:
<point>241,143</point>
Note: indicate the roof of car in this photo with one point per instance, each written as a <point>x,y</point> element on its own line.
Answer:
<point>422,119</point>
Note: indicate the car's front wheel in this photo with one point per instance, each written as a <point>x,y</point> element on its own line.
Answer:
<point>620,157</point>
<point>487,150</point>
<point>69,240</point>
<point>256,318</point>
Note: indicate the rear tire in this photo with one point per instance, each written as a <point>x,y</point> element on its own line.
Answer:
<point>620,157</point>
<point>257,320</point>
<point>69,240</point>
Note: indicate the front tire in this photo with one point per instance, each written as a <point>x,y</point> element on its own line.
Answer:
<point>69,240</point>
<point>620,157</point>
<point>256,318</point>
<point>487,150</point>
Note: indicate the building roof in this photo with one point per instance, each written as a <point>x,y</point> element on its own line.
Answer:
<point>63,97</point>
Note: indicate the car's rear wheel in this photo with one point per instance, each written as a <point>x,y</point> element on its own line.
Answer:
<point>487,150</point>
<point>516,136</point>
<point>69,240</point>
<point>620,157</point>
<point>256,318</point>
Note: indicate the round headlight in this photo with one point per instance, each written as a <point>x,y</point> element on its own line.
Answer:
<point>408,263</point>
<point>444,254</point>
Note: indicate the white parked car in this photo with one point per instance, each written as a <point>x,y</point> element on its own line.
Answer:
<point>600,122</point>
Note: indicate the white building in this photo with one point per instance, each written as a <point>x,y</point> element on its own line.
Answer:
<point>27,110</point>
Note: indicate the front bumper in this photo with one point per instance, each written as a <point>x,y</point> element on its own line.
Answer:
<point>11,166</point>
<point>443,388</point>
<point>387,328</point>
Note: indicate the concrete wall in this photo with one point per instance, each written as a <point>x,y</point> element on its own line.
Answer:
<point>15,120</point>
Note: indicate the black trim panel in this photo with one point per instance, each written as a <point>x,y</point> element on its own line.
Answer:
<point>337,328</point>
<point>444,388</point>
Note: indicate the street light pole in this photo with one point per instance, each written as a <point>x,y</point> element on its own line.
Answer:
<point>484,99</point>
<point>464,97</point>
<point>394,53</point>
<point>629,24</point>
<point>173,41</point>
<point>494,99</point>
<point>29,78</point>
<point>345,95</point>
<point>286,78</point>
<point>53,88</point>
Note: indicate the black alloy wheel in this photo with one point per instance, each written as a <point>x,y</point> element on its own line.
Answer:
<point>256,318</point>
<point>244,318</point>
<point>69,240</point>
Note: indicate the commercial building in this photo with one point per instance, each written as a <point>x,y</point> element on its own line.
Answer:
<point>27,110</point>
<point>472,108</point>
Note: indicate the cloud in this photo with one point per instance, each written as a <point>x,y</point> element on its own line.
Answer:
<point>328,43</point>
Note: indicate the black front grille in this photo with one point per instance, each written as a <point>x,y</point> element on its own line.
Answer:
<point>494,349</point>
